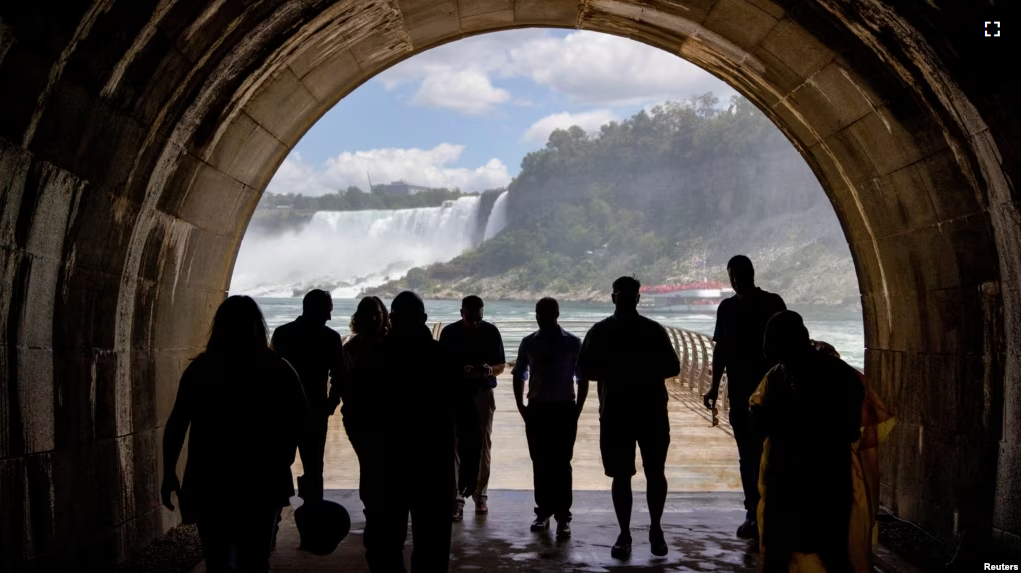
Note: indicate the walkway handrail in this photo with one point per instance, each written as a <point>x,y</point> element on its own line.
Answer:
<point>694,351</point>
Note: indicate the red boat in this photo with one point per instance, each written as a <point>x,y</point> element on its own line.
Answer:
<point>699,297</point>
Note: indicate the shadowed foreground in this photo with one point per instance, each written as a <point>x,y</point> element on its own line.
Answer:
<point>699,530</point>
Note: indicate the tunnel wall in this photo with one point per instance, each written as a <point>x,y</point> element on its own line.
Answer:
<point>136,138</point>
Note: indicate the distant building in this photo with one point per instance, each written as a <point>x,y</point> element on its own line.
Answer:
<point>400,188</point>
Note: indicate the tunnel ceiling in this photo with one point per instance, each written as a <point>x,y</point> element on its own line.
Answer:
<point>136,137</point>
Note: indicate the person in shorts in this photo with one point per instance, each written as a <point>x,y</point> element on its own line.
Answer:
<point>630,356</point>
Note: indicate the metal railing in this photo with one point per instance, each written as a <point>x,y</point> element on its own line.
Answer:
<point>694,351</point>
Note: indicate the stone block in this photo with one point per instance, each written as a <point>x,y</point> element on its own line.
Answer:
<point>183,317</point>
<point>221,156</point>
<point>36,398</point>
<point>546,13</point>
<point>855,164</point>
<point>257,159</point>
<point>470,8</point>
<point>170,364</point>
<point>37,319</point>
<point>207,261</point>
<point>143,392</point>
<point>102,230</point>
<point>886,142</point>
<point>789,115</point>
<point>866,266</point>
<point>283,107</point>
<point>210,201</point>
<point>14,166</point>
<point>801,52</point>
<point>487,21</point>
<point>740,22</point>
<point>430,21</point>
<point>972,241</point>
<point>333,77</point>
<point>242,215</point>
<point>954,322</point>
<point>823,158</point>
<point>187,167</point>
<point>57,196</point>
<point>906,333</point>
<point>825,105</point>
<point>375,51</point>
<point>104,383</point>
<point>131,537</point>
<point>952,194</point>
<point>1007,510</point>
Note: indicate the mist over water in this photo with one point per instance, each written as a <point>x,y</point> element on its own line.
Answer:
<point>497,218</point>
<point>345,251</point>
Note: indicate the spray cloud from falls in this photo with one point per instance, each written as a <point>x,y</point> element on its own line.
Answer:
<point>346,251</point>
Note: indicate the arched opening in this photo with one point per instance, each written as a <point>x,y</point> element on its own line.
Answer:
<point>136,140</point>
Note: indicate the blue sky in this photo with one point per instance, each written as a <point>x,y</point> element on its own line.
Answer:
<point>466,113</point>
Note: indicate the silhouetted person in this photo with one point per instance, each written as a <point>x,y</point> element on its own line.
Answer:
<point>245,409</point>
<point>548,359</point>
<point>809,408</point>
<point>314,350</point>
<point>369,325</point>
<point>630,357</point>
<point>409,451</point>
<point>480,344</point>
<point>740,325</point>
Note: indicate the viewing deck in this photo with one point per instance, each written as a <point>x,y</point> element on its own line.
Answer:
<point>704,504</point>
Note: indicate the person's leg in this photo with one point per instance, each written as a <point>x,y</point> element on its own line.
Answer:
<point>535,435</point>
<point>215,537</point>
<point>563,435</point>
<point>485,402</point>
<point>311,447</point>
<point>749,449</point>
<point>255,533</point>
<point>386,529</point>
<point>430,532</point>
<point>620,490</point>
<point>654,441</point>
<point>464,414</point>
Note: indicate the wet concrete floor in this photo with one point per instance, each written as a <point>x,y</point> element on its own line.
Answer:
<point>699,529</point>
<point>703,509</point>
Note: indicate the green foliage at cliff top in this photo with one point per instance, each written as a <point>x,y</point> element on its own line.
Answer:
<point>354,199</point>
<point>630,198</point>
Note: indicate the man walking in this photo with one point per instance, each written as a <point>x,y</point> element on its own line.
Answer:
<point>547,359</point>
<point>479,343</point>
<point>740,326</point>
<point>630,357</point>
<point>409,452</point>
<point>316,353</point>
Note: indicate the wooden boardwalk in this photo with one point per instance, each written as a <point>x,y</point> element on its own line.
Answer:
<point>701,458</point>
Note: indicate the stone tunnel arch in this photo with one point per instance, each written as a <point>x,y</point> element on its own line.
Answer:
<point>136,138</point>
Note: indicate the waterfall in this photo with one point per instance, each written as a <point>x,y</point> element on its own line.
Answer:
<point>497,217</point>
<point>345,251</point>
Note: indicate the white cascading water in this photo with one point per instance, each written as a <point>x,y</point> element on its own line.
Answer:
<point>497,217</point>
<point>346,251</point>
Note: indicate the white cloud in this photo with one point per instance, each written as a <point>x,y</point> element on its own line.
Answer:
<point>590,67</point>
<point>539,131</point>
<point>587,67</point>
<point>467,91</point>
<point>428,167</point>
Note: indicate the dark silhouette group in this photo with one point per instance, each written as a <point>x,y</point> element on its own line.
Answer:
<point>419,414</point>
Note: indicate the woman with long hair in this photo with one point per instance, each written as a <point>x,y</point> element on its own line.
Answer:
<point>246,409</point>
<point>369,326</point>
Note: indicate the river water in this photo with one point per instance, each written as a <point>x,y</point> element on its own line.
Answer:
<point>840,326</point>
